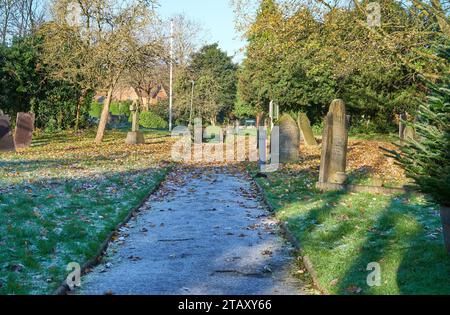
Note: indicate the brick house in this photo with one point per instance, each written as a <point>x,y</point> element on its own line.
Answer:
<point>150,98</point>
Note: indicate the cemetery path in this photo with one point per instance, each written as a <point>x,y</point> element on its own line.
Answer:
<point>205,232</point>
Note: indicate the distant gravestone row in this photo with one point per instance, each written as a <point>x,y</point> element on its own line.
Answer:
<point>335,139</point>
<point>334,143</point>
<point>23,133</point>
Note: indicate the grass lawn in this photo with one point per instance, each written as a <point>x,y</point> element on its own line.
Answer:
<point>343,232</point>
<point>60,199</point>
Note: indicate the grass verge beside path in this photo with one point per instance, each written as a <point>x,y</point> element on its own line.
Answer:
<point>60,199</point>
<point>342,233</point>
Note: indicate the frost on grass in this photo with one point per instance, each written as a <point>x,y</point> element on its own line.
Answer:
<point>59,201</point>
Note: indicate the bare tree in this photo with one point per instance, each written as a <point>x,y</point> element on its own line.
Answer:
<point>20,17</point>
<point>6,13</point>
<point>189,36</point>
<point>151,67</point>
<point>99,45</point>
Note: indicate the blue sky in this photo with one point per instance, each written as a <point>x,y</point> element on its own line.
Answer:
<point>215,16</point>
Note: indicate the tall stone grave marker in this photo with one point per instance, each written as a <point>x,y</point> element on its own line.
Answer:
<point>333,161</point>
<point>289,140</point>
<point>306,130</point>
<point>274,113</point>
<point>6,138</point>
<point>135,136</point>
<point>24,130</point>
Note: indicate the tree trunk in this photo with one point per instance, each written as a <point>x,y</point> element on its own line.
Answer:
<point>79,105</point>
<point>140,99</point>
<point>104,117</point>
<point>77,117</point>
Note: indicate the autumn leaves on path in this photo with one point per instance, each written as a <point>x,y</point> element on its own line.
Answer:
<point>204,232</point>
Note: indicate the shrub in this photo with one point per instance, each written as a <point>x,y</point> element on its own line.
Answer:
<point>152,121</point>
<point>162,109</point>
<point>96,110</point>
<point>51,125</point>
<point>120,108</point>
<point>115,108</point>
<point>318,129</point>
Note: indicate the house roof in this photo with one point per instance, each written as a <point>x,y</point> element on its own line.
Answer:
<point>119,92</point>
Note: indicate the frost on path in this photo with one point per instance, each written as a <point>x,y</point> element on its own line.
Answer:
<point>205,232</point>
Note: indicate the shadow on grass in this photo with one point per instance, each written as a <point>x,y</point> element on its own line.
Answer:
<point>343,232</point>
<point>412,261</point>
<point>47,139</point>
<point>53,222</point>
<point>35,165</point>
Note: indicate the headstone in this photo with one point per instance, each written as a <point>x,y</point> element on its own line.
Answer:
<point>409,133</point>
<point>306,130</point>
<point>24,130</point>
<point>6,138</point>
<point>135,136</point>
<point>402,126</point>
<point>289,140</point>
<point>333,161</point>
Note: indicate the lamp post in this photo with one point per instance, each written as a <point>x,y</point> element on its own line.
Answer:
<point>171,76</point>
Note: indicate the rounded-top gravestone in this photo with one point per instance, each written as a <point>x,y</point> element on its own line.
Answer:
<point>289,140</point>
<point>6,138</point>
<point>24,130</point>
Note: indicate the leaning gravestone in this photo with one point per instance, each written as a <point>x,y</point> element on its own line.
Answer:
<point>289,140</point>
<point>6,138</point>
<point>402,126</point>
<point>24,130</point>
<point>306,130</point>
<point>333,161</point>
<point>409,133</point>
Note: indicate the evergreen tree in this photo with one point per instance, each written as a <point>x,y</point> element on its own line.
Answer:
<point>214,74</point>
<point>427,158</point>
<point>257,78</point>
